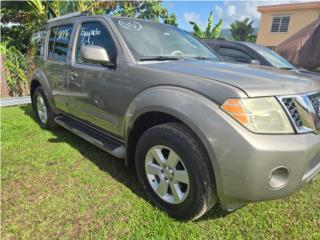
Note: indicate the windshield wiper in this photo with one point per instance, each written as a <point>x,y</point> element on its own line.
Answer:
<point>201,58</point>
<point>287,68</point>
<point>159,58</point>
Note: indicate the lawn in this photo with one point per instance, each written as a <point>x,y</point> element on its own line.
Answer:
<point>56,185</point>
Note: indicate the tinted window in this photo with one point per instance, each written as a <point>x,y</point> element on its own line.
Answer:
<point>59,42</point>
<point>234,55</point>
<point>272,57</point>
<point>95,33</point>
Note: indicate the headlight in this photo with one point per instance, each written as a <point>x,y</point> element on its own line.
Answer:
<point>259,115</point>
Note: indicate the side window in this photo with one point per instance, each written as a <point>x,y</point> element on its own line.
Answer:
<point>59,42</point>
<point>234,55</point>
<point>95,33</point>
<point>38,41</point>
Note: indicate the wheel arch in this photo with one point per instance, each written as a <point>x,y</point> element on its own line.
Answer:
<point>34,84</point>
<point>39,79</point>
<point>169,104</point>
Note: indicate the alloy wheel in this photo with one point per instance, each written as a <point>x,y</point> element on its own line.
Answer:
<point>42,109</point>
<point>167,174</point>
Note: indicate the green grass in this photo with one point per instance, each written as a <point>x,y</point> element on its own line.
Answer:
<point>56,185</point>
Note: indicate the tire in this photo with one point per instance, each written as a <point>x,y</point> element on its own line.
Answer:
<point>196,193</point>
<point>45,115</point>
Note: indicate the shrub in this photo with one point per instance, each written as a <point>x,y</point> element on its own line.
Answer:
<point>14,67</point>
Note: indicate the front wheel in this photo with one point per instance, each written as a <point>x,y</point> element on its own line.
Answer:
<point>43,110</point>
<point>174,169</point>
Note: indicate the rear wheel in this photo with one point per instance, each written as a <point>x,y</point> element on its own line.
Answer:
<point>174,169</point>
<point>44,112</point>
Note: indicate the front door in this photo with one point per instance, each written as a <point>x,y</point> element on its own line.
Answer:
<point>94,90</point>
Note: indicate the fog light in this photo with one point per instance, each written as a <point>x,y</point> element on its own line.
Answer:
<point>279,177</point>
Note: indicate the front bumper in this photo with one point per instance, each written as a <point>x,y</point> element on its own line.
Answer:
<point>243,161</point>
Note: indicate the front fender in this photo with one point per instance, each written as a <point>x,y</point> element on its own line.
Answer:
<point>188,106</point>
<point>40,76</point>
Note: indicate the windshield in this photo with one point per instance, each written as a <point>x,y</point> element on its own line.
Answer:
<point>272,57</point>
<point>152,40</point>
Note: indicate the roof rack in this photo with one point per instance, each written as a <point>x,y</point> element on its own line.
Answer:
<point>69,15</point>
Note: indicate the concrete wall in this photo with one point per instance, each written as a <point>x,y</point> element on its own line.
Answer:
<point>298,20</point>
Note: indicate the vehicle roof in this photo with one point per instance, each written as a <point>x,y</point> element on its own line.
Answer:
<point>218,41</point>
<point>73,18</point>
<point>70,19</point>
<point>221,41</point>
<point>251,44</point>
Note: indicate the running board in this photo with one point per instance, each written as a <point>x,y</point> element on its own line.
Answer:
<point>103,141</point>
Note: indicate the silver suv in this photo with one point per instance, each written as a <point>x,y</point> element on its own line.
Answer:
<point>197,130</point>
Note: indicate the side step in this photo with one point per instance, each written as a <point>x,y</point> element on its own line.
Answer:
<point>93,136</point>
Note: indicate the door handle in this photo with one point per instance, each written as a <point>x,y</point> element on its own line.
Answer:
<point>74,75</point>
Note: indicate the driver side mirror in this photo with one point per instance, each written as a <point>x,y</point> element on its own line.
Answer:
<point>95,54</point>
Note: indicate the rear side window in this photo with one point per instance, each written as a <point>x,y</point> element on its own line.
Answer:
<point>37,41</point>
<point>59,42</point>
<point>234,55</point>
<point>95,33</point>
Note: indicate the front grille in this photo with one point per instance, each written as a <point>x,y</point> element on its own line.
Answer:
<point>315,100</point>
<point>304,111</point>
<point>292,109</point>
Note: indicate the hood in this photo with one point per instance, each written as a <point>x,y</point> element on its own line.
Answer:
<point>313,75</point>
<point>255,81</point>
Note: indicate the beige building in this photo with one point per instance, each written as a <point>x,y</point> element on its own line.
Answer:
<point>278,22</point>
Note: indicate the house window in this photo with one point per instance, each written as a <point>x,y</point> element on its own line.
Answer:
<point>280,23</point>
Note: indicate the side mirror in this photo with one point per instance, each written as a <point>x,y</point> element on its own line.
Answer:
<point>255,62</point>
<point>95,54</point>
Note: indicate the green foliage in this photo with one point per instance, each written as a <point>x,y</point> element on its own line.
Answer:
<point>17,36</point>
<point>243,31</point>
<point>39,10</point>
<point>149,9</point>
<point>30,15</point>
<point>215,33</point>
<point>14,67</point>
<point>197,30</point>
<point>211,31</point>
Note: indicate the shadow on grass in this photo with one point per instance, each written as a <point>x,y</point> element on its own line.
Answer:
<point>105,162</point>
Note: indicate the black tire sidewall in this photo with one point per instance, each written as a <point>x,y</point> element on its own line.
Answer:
<point>177,142</point>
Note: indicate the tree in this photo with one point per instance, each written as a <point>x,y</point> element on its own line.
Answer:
<point>17,24</point>
<point>210,32</point>
<point>243,30</point>
<point>29,15</point>
<point>148,9</point>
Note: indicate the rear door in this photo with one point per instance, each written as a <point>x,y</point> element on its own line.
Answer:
<point>56,64</point>
<point>94,90</point>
